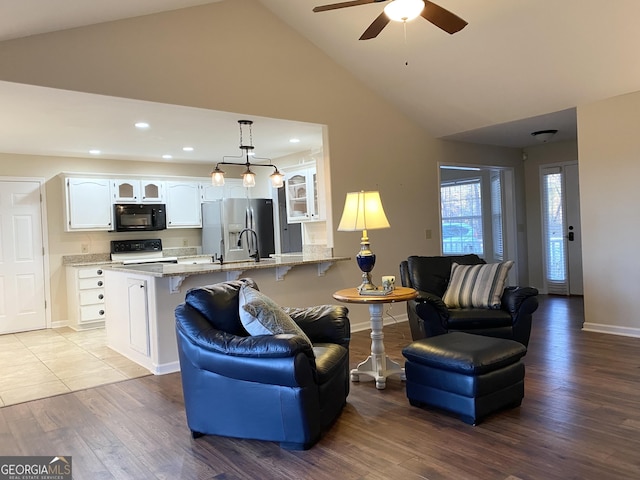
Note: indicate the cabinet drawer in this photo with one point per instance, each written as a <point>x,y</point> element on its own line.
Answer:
<point>92,312</point>
<point>90,272</point>
<point>90,297</point>
<point>87,283</point>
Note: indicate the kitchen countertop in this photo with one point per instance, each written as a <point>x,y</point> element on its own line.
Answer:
<point>187,269</point>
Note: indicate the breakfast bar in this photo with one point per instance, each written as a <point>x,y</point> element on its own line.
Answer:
<point>141,300</point>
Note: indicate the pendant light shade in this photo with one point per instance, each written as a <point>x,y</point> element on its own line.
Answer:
<point>248,177</point>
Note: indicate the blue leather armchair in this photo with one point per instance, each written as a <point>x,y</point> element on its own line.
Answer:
<point>265,387</point>
<point>429,316</point>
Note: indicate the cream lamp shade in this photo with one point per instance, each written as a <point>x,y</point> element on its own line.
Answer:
<point>363,211</point>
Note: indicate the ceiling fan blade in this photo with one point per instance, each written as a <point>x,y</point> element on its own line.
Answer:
<point>442,18</point>
<point>376,27</point>
<point>353,3</point>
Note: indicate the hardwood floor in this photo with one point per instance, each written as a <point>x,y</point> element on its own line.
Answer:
<point>580,418</point>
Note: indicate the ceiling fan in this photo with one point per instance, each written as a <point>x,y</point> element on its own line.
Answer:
<point>403,11</point>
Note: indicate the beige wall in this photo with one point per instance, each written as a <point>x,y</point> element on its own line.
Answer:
<point>547,153</point>
<point>609,148</point>
<point>236,56</point>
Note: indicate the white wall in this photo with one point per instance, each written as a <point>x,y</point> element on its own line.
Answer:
<point>198,57</point>
<point>609,147</point>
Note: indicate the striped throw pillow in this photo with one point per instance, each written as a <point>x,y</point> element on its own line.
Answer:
<point>478,286</point>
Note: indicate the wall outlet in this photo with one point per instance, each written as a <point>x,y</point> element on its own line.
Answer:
<point>84,248</point>
<point>185,242</point>
<point>427,234</point>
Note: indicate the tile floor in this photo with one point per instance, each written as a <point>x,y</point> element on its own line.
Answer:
<point>49,362</point>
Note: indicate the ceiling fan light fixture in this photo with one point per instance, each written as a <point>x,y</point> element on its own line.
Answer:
<point>404,10</point>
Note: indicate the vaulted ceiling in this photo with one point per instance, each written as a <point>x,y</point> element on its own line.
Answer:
<point>519,66</point>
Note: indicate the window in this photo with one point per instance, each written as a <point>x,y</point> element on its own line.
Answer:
<point>553,223</point>
<point>496,216</point>
<point>461,204</point>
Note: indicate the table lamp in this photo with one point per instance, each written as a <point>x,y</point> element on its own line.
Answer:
<point>363,211</point>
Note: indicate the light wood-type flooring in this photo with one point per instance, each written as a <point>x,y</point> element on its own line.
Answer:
<point>580,419</point>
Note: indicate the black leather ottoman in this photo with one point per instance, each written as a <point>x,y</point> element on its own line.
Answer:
<point>470,375</point>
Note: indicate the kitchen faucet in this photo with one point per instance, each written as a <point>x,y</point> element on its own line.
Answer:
<point>256,256</point>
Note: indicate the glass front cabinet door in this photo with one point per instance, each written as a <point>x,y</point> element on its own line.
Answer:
<point>301,187</point>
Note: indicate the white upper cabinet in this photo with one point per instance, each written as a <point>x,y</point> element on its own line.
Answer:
<point>301,188</point>
<point>88,204</point>
<point>232,188</point>
<point>209,192</point>
<point>138,191</point>
<point>183,200</point>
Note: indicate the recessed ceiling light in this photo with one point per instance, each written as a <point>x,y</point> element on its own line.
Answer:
<point>187,149</point>
<point>95,151</point>
<point>294,140</point>
<point>167,156</point>
<point>142,125</point>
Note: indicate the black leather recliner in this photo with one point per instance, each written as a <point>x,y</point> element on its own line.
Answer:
<point>265,387</point>
<point>429,316</point>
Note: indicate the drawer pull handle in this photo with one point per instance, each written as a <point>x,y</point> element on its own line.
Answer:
<point>100,297</point>
<point>99,272</point>
<point>101,312</point>
<point>100,283</point>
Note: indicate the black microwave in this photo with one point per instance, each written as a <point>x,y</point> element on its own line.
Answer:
<point>139,217</point>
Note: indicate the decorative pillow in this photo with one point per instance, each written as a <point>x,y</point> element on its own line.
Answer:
<point>262,316</point>
<point>479,286</point>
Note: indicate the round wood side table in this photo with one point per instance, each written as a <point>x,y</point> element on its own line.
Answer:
<point>378,366</point>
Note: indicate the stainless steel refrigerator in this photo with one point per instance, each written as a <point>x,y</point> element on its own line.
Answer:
<point>224,220</point>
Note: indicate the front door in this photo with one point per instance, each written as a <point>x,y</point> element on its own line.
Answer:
<point>22,281</point>
<point>561,229</point>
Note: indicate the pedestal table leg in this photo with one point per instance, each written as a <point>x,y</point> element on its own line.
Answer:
<point>378,365</point>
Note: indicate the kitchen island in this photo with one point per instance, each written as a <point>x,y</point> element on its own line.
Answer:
<point>141,300</point>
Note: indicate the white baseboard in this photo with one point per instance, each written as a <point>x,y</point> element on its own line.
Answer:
<point>360,326</point>
<point>611,329</point>
<point>165,368</point>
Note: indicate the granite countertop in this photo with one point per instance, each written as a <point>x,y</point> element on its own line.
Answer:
<point>187,269</point>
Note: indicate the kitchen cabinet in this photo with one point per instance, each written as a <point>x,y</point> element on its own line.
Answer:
<point>301,189</point>
<point>232,188</point>
<point>183,204</point>
<point>210,192</point>
<point>138,315</point>
<point>85,297</point>
<point>138,191</point>
<point>131,324</point>
<point>88,204</point>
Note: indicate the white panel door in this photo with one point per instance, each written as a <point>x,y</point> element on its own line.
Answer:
<point>574,229</point>
<point>22,288</point>
<point>561,229</point>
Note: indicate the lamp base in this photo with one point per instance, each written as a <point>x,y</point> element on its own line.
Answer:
<point>366,284</point>
<point>366,260</point>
